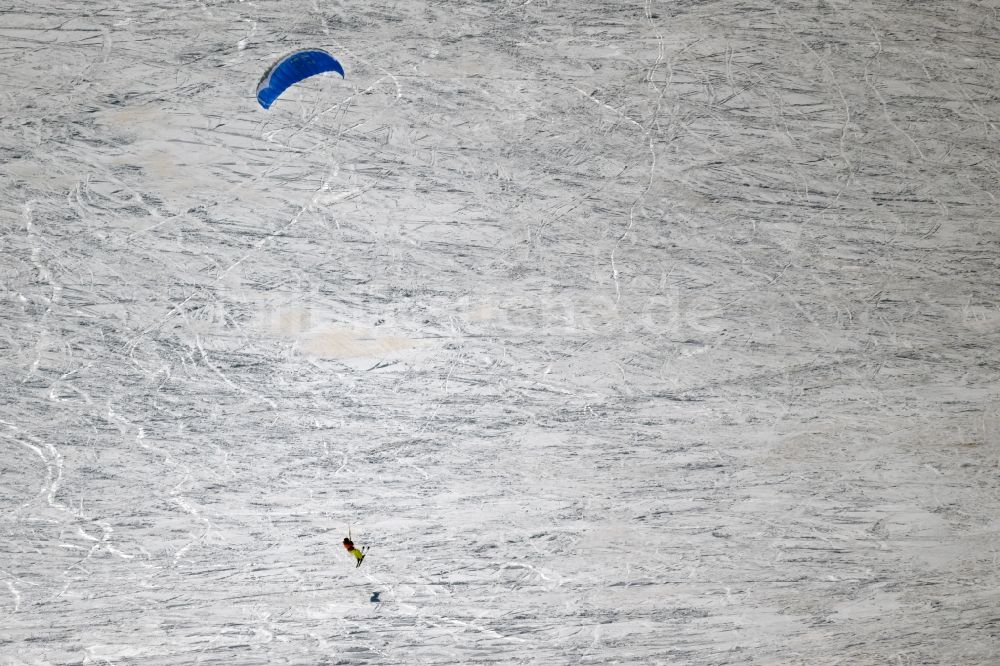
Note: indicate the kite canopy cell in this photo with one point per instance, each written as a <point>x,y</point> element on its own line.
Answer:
<point>293,68</point>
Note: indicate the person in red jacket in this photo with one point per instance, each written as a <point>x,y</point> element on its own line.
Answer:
<point>349,546</point>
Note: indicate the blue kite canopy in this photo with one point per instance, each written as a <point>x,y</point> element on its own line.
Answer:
<point>293,68</point>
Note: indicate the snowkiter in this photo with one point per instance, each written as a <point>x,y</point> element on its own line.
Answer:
<point>349,546</point>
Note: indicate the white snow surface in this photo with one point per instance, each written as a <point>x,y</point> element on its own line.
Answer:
<point>622,332</point>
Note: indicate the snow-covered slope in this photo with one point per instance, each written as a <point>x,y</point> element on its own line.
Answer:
<point>622,333</point>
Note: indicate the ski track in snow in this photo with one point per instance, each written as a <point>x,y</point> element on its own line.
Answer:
<point>652,333</point>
